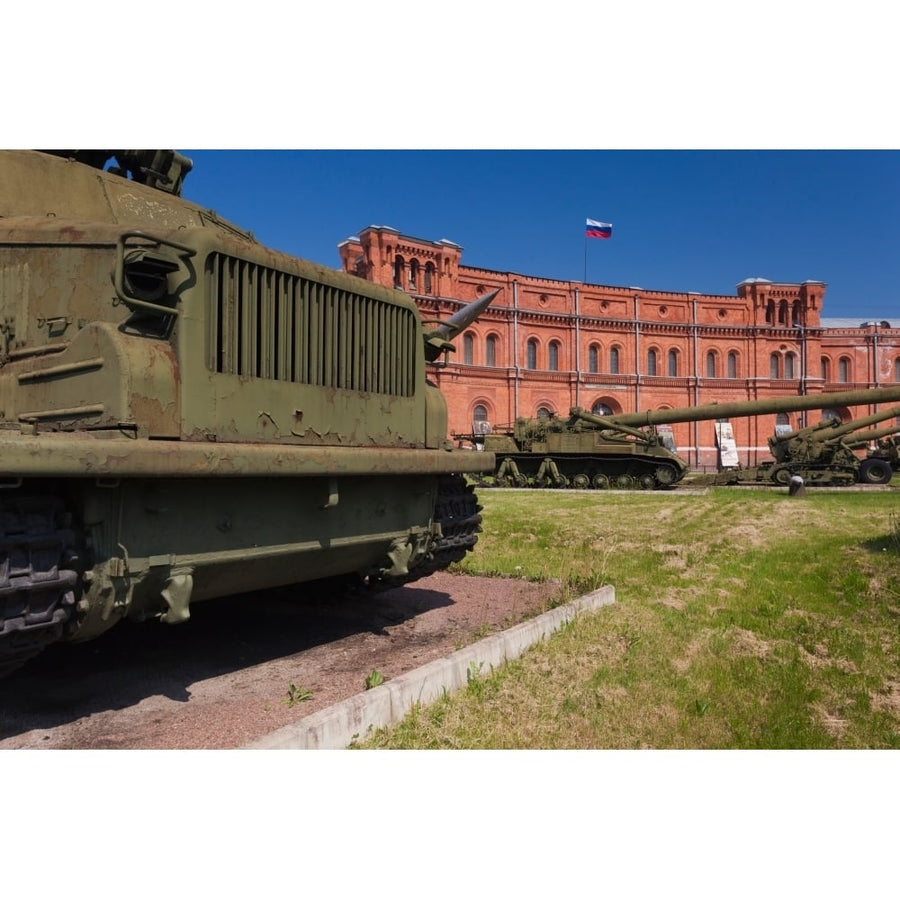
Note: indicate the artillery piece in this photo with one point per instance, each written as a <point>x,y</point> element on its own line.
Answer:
<point>886,449</point>
<point>627,450</point>
<point>824,453</point>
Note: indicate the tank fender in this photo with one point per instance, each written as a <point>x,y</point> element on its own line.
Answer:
<point>102,378</point>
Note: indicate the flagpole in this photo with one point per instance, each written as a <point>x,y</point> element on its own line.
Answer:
<point>585,258</point>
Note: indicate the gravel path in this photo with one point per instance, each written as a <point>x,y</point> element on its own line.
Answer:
<point>224,678</point>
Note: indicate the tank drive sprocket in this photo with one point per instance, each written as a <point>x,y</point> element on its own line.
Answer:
<point>38,577</point>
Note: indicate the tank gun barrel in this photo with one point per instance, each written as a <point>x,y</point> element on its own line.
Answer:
<point>438,339</point>
<point>740,408</point>
<point>577,414</point>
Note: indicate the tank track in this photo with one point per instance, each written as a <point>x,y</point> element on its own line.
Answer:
<point>458,513</point>
<point>38,577</point>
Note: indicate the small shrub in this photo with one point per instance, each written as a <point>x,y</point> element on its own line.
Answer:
<point>296,694</point>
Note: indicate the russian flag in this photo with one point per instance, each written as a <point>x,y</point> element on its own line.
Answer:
<point>598,229</point>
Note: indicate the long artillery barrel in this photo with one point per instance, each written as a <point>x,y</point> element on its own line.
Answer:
<point>835,429</point>
<point>438,339</point>
<point>856,424</point>
<point>860,440</point>
<point>740,408</point>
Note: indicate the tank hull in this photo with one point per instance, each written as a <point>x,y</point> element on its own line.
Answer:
<point>186,414</point>
<point>599,471</point>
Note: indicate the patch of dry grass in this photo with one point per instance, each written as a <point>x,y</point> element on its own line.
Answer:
<point>742,619</point>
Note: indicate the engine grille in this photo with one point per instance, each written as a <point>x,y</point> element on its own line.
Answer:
<point>263,323</point>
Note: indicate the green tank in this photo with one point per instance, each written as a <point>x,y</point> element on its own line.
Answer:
<point>582,451</point>
<point>627,450</point>
<point>186,414</point>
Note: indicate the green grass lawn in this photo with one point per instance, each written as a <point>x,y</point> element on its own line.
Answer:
<point>744,619</point>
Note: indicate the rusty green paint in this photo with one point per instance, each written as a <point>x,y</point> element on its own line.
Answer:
<point>213,416</point>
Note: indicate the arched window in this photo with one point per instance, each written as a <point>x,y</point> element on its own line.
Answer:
<point>429,277</point>
<point>490,350</point>
<point>601,409</point>
<point>711,364</point>
<point>413,273</point>
<point>843,370</point>
<point>774,366</point>
<point>553,355</point>
<point>593,358</point>
<point>783,313</point>
<point>826,368</point>
<point>399,266</point>
<point>544,413</point>
<point>770,312</point>
<point>531,361</point>
<point>673,363</point>
<point>468,349</point>
<point>651,361</point>
<point>796,313</point>
<point>732,364</point>
<point>479,414</point>
<point>789,365</point>
<point>614,360</point>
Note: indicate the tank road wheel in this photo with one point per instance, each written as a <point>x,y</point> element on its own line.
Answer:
<point>508,474</point>
<point>647,482</point>
<point>581,481</point>
<point>560,481</point>
<point>781,475</point>
<point>665,476</point>
<point>623,482</point>
<point>600,482</point>
<point>875,471</point>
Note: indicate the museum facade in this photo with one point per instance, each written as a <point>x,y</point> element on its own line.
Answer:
<point>545,345</point>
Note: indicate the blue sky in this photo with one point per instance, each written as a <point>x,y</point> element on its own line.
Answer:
<point>722,141</point>
<point>683,220</point>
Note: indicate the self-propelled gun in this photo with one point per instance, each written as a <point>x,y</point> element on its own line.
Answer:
<point>187,414</point>
<point>627,450</point>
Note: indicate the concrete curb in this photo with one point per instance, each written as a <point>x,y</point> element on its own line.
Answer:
<point>336,727</point>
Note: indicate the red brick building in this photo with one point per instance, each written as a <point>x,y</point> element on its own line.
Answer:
<point>546,345</point>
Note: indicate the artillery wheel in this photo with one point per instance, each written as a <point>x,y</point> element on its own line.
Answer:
<point>875,471</point>
<point>581,481</point>
<point>623,482</point>
<point>665,475</point>
<point>647,482</point>
<point>781,475</point>
<point>600,482</point>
